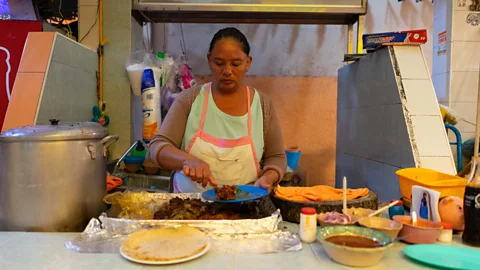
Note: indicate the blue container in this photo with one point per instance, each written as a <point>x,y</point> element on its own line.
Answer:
<point>133,160</point>
<point>292,158</point>
<point>396,210</point>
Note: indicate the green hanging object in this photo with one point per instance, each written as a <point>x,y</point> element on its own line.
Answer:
<point>99,116</point>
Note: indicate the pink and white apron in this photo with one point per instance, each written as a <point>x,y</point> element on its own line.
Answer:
<point>232,162</point>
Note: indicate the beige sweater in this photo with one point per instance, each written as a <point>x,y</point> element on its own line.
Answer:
<point>173,128</point>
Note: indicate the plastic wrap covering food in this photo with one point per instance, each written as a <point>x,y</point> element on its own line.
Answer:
<point>105,234</point>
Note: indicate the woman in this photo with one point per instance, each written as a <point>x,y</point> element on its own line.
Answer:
<point>222,132</point>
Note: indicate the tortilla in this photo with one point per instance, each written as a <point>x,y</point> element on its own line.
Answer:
<point>165,244</point>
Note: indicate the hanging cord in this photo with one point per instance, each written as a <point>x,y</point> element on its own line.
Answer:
<point>69,30</point>
<point>91,27</point>
<point>183,45</point>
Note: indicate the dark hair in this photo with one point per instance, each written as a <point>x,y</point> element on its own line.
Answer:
<point>232,33</point>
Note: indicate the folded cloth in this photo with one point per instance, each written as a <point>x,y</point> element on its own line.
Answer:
<point>317,193</point>
<point>113,182</point>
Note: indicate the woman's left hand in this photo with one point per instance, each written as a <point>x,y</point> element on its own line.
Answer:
<point>267,180</point>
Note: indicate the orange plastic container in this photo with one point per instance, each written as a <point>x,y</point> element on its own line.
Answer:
<point>447,185</point>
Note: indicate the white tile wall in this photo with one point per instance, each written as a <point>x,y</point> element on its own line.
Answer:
<point>430,136</point>
<point>467,110</point>
<point>441,164</point>
<point>420,96</point>
<point>411,65</point>
<point>464,86</point>
<point>441,85</point>
<point>465,56</point>
<point>463,31</point>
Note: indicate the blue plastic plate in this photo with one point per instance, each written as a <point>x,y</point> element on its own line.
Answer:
<point>446,257</point>
<point>247,193</point>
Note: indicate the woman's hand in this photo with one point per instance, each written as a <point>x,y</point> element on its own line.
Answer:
<point>267,180</point>
<point>199,171</point>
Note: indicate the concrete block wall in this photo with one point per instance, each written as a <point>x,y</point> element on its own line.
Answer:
<point>388,119</point>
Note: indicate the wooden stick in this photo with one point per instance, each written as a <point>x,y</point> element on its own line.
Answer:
<point>383,208</point>
<point>344,195</point>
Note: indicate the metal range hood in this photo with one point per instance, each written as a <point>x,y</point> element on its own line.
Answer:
<point>251,11</point>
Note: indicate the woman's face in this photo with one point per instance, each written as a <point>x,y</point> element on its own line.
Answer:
<point>228,64</point>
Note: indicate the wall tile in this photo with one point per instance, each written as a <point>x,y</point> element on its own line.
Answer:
<point>430,136</point>
<point>375,133</point>
<point>464,86</point>
<point>411,62</point>
<point>463,31</point>
<point>439,8</point>
<point>356,171</point>
<point>353,133</point>
<point>421,99</point>
<point>391,188</point>
<point>441,164</point>
<point>69,94</point>
<point>440,25</point>
<point>441,61</point>
<point>363,132</point>
<point>467,110</point>
<point>344,88</point>
<point>441,84</point>
<point>466,56</point>
<point>461,5</point>
<point>22,108</point>
<point>397,148</point>
<point>375,181</point>
<point>36,53</point>
<point>342,130</point>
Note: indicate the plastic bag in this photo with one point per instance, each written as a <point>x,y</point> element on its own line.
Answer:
<point>135,65</point>
<point>179,78</point>
<point>449,115</point>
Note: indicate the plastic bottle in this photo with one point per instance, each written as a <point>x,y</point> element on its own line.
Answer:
<point>308,224</point>
<point>396,210</point>
<point>152,114</point>
<point>471,207</point>
<point>446,234</point>
<point>139,151</point>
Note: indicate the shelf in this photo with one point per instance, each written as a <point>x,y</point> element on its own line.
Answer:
<point>250,11</point>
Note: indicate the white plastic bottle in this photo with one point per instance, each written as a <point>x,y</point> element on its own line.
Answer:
<point>308,224</point>
<point>152,114</point>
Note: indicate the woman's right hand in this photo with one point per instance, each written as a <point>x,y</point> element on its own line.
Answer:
<point>199,171</point>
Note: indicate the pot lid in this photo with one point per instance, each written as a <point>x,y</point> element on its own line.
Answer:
<point>56,132</point>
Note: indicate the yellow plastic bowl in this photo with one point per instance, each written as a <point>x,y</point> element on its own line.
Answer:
<point>447,185</point>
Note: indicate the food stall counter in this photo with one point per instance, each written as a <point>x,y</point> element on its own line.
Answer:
<point>29,250</point>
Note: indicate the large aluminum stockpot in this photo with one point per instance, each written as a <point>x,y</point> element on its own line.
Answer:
<point>52,177</point>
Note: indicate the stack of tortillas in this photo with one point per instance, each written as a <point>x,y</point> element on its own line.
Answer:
<point>165,244</point>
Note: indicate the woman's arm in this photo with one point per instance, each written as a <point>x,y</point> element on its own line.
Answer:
<point>164,149</point>
<point>274,159</point>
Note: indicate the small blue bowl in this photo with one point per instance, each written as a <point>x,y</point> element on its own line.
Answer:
<point>133,160</point>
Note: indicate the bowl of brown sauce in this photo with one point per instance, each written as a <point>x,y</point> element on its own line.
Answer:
<point>354,246</point>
